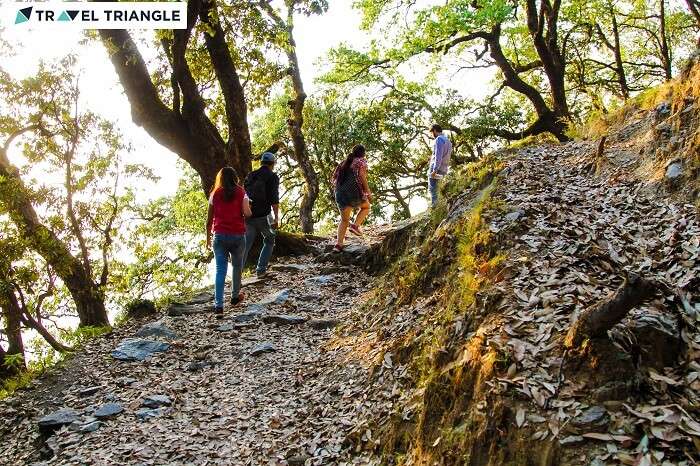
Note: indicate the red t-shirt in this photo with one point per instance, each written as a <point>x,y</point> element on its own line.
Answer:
<point>228,216</point>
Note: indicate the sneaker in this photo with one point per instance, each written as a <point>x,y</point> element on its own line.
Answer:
<point>355,230</point>
<point>264,274</point>
<point>338,248</point>
<point>238,299</point>
<point>219,312</point>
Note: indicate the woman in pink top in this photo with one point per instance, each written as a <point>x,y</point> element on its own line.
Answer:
<point>351,192</point>
<point>228,207</point>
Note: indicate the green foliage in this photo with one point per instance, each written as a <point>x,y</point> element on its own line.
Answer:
<point>14,361</point>
<point>167,246</point>
<point>81,335</point>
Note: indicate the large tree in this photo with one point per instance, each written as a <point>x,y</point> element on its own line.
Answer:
<point>295,122</point>
<point>185,126</point>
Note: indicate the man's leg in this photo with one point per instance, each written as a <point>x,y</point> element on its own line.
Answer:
<point>237,249</point>
<point>251,232</point>
<point>433,189</point>
<point>267,246</point>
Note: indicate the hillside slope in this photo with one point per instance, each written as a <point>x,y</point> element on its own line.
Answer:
<point>469,326</point>
<point>456,354</point>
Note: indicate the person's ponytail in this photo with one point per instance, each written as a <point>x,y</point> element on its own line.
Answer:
<point>227,180</point>
<point>357,152</point>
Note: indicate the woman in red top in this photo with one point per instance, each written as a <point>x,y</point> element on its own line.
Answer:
<point>228,207</point>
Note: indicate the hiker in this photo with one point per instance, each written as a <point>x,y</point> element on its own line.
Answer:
<point>351,192</point>
<point>228,207</point>
<point>439,162</point>
<point>262,186</point>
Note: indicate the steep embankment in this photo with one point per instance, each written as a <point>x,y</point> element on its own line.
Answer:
<point>469,326</point>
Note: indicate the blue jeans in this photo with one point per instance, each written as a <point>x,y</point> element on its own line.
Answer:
<point>226,245</point>
<point>259,226</point>
<point>433,185</point>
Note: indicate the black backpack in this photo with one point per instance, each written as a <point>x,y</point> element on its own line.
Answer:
<point>256,188</point>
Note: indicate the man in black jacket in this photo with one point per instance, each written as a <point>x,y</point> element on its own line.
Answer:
<point>262,187</point>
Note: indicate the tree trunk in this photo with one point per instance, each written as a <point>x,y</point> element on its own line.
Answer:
<point>666,57</point>
<point>295,123</point>
<point>13,328</point>
<point>543,27</point>
<point>548,120</point>
<point>88,298</point>
<point>595,321</point>
<point>619,67</point>
<point>188,131</point>
<point>694,7</point>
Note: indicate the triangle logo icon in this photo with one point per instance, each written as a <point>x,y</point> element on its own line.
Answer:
<point>72,13</point>
<point>64,16</point>
<point>23,15</point>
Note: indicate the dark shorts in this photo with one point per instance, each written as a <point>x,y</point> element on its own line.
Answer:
<point>345,201</point>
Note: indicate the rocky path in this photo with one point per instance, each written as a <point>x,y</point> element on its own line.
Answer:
<point>259,387</point>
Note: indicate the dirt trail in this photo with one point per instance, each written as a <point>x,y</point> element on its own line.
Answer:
<point>570,236</point>
<point>295,405</point>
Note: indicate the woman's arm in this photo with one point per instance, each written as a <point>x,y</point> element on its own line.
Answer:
<point>363,180</point>
<point>210,221</point>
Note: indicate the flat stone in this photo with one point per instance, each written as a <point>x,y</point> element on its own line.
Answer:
<point>226,327</point>
<point>54,421</point>
<point>284,319</point>
<point>323,324</point>
<point>515,215</point>
<point>334,269</point>
<point>310,297</point>
<point>319,280</point>
<point>156,329</point>
<point>571,440</point>
<point>264,347</point>
<point>90,427</point>
<point>202,298</point>
<point>134,349</point>
<point>297,460</point>
<point>274,298</point>
<point>662,110</point>
<point>674,171</point>
<point>197,366</point>
<point>147,413</point>
<point>594,418</point>
<point>126,381</point>
<point>290,267</point>
<point>89,391</point>
<point>250,281</point>
<point>108,410</point>
<point>157,401</point>
<point>181,309</point>
<point>253,311</point>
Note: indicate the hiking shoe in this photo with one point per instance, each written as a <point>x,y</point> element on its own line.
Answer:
<point>264,274</point>
<point>219,312</point>
<point>338,248</point>
<point>238,299</point>
<point>355,230</point>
